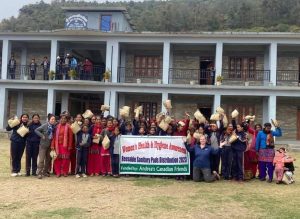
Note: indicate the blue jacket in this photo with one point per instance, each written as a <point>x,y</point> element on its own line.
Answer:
<point>261,138</point>
<point>32,136</point>
<point>202,155</point>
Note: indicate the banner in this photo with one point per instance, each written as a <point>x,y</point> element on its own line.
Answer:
<point>153,155</point>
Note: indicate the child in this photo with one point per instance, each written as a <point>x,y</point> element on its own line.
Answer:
<point>279,160</point>
<point>115,151</point>
<point>84,141</point>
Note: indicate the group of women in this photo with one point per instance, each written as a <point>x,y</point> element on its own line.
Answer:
<point>94,148</point>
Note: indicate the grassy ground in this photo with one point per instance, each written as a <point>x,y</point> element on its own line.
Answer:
<point>143,197</point>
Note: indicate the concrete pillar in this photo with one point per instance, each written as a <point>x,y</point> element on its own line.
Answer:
<point>20,101</point>
<point>121,102</point>
<point>218,59</point>
<point>54,49</point>
<point>3,107</point>
<point>112,59</point>
<point>51,101</point>
<point>171,64</point>
<point>122,66</point>
<point>273,63</point>
<point>166,62</point>
<point>110,98</point>
<point>65,101</point>
<point>23,62</point>
<point>6,53</point>
<point>217,102</point>
<point>164,96</point>
<point>269,108</point>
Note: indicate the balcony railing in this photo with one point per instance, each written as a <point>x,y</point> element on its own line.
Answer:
<point>25,72</point>
<point>288,77</point>
<point>191,76</point>
<point>256,77</point>
<point>140,75</point>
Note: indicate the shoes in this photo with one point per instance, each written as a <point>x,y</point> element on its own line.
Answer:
<point>34,174</point>
<point>19,174</point>
<point>47,174</point>
<point>14,174</point>
<point>92,174</point>
<point>217,176</point>
<point>269,181</point>
<point>65,175</point>
<point>77,176</point>
<point>40,177</point>
<point>58,175</point>
<point>84,175</point>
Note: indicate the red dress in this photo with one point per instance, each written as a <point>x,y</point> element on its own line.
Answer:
<point>250,157</point>
<point>94,157</point>
<point>62,142</point>
<point>105,154</point>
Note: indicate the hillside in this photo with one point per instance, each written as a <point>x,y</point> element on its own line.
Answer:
<point>174,16</point>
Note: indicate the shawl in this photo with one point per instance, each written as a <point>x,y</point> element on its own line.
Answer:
<point>59,126</point>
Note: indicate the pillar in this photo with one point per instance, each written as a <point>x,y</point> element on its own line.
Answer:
<point>65,101</point>
<point>20,100</point>
<point>166,62</point>
<point>269,108</point>
<point>54,54</point>
<point>51,101</point>
<point>23,62</point>
<point>3,107</point>
<point>122,69</point>
<point>218,59</point>
<point>217,102</point>
<point>273,63</point>
<point>110,98</point>
<point>112,59</point>
<point>164,96</point>
<point>6,53</point>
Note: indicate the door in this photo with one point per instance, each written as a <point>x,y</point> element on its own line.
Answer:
<point>206,111</point>
<point>298,124</point>
<point>242,67</point>
<point>207,73</point>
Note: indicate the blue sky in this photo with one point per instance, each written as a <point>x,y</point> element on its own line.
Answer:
<point>11,7</point>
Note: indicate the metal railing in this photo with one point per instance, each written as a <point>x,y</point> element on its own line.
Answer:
<point>197,76</point>
<point>26,72</point>
<point>139,75</point>
<point>288,77</point>
<point>256,76</point>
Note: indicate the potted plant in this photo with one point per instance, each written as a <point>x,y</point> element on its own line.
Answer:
<point>51,75</point>
<point>72,74</point>
<point>219,80</point>
<point>106,75</point>
<point>138,80</point>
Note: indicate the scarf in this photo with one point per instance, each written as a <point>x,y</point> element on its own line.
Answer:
<point>50,130</point>
<point>269,139</point>
<point>59,126</point>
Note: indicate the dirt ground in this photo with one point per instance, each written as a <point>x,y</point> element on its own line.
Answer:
<point>141,197</point>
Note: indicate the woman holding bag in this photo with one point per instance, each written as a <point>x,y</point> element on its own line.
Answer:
<point>106,134</point>
<point>18,142</point>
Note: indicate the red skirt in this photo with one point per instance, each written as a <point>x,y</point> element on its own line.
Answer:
<point>94,160</point>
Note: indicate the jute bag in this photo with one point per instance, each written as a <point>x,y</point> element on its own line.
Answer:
<point>274,122</point>
<point>197,135</point>
<point>124,111</point>
<point>159,117</point>
<point>105,142</point>
<point>233,138</point>
<point>96,140</point>
<point>138,111</point>
<point>53,154</point>
<point>105,108</point>
<point>251,118</point>
<point>13,122</point>
<point>181,123</point>
<point>87,114</point>
<point>215,117</point>
<point>163,125</point>
<point>168,119</point>
<point>220,110</point>
<point>199,116</point>
<point>234,114</point>
<point>225,121</point>
<point>167,104</point>
<point>75,128</point>
<point>188,138</point>
<point>22,131</point>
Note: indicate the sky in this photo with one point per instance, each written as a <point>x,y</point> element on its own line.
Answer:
<point>11,7</point>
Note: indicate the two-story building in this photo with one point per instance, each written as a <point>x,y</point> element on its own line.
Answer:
<point>260,70</point>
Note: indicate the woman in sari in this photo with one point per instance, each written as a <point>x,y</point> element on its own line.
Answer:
<point>62,144</point>
<point>93,165</point>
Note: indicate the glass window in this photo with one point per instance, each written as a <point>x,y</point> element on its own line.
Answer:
<point>105,23</point>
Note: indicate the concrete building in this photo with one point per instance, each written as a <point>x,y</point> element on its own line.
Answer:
<point>260,73</point>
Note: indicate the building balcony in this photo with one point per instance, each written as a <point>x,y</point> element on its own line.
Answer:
<point>288,77</point>
<point>191,76</point>
<point>140,75</point>
<point>252,77</point>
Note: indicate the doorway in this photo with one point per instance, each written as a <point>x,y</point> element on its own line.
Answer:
<point>207,72</point>
<point>206,111</point>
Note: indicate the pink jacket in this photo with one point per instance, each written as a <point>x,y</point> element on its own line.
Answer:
<point>280,159</point>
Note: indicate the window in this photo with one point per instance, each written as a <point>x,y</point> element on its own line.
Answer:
<point>147,66</point>
<point>149,109</point>
<point>243,109</point>
<point>242,67</point>
<point>105,24</point>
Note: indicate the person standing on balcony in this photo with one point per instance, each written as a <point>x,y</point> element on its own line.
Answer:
<point>66,66</point>
<point>265,149</point>
<point>32,68</point>
<point>46,67</point>
<point>73,63</point>
<point>88,68</point>
<point>12,64</point>
<point>59,67</point>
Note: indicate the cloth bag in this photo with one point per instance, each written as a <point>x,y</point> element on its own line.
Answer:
<point>105,142</point>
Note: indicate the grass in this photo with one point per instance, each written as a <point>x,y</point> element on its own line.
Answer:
<point>141,197</point>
